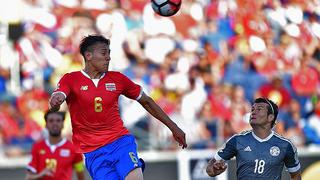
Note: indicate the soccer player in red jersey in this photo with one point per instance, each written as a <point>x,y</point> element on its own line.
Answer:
<point>98,131</point>
<point>55,157</point>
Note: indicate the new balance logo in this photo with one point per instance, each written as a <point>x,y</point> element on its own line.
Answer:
<point>247,149</point>
<point>84,88</point>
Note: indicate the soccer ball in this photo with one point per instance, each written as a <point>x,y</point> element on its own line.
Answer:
<point>166,7</point>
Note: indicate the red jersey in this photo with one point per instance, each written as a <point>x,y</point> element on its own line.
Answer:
<point>93,106</point>
<point>281,95</point>
<point>61,157</point>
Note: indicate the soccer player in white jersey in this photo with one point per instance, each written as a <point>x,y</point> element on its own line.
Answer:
<point>260,153</point>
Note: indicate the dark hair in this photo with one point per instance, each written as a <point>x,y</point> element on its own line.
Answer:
<point>62,114</point>
<point>90,40</point>
<point>272,108</point>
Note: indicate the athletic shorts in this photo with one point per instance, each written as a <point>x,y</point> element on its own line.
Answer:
<point>114,161</point>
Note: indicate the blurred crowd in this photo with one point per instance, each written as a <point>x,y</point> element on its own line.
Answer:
<point>204,66</point>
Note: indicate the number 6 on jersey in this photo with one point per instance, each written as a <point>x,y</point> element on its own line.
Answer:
<point>97,104</point>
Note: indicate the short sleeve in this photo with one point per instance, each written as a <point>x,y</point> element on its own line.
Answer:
<point>33,164</point>
<point>291,159</point>
<point>131,89</point>
<point>228,151</point>
<point>64,85</point>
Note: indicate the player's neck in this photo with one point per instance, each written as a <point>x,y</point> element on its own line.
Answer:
<point>54,140</point>
<point>92,74</point>
<point>261,132</point>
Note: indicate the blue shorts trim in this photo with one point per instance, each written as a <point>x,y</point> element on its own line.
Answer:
<point>115,160</point>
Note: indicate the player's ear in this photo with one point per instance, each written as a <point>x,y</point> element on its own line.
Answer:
<point>88,55</point>
<point>270,117</point>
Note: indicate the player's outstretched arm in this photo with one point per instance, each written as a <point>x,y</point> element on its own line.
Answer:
<point>55,101</point>
<point>296,175</point>
<point>149,104</point>
<point>215,167</point>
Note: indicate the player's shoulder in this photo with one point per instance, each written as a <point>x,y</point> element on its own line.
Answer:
<point>69,144</point>
<point>281,138</point>
<point>73,73</point>
<point>284,142</point>
<point>39,143</point>
<point>241,135</point>
<point>244,133</point>
<point>65,142</point>
<point>115,73</point>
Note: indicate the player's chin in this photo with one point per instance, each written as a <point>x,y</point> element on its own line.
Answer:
<point>104,70</point>
<point>252,121</point>
<point>55,133</point>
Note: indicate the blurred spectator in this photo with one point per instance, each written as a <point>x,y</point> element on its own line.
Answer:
<point>239,108</point>
<point>4,76</point>
<point>191,104</point>
<point>241,72</point>
<point>220,103</point>
<point>268,60</point>
<point>306,80</point>
<point>32,104</point>
<point>212,36</point>
<point>169,100</point>
<point>18,133</point>
<point>290,123</point>
<point>312,128</point>
<point>276,91</point>
<point>209,128</point>
<point>192,101</point>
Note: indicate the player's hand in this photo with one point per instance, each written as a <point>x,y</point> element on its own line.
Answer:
<point>179,136</point>
<point>215,167</point>
<point>55,101</point>
<point>46,172</point>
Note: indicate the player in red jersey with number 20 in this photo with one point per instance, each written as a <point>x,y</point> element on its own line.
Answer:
<point>54,157</point>
<point>92,96</point>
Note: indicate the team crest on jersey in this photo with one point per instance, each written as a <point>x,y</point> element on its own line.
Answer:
<point>64,152</point>
<point>42,151</point>
<point>111,86</point>
<point>274,151</point>
<point>84,88</point>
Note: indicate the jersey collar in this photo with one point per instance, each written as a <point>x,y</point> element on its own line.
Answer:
<point>86,75</point>
<point>53,147</point>
<point>263,140</point>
